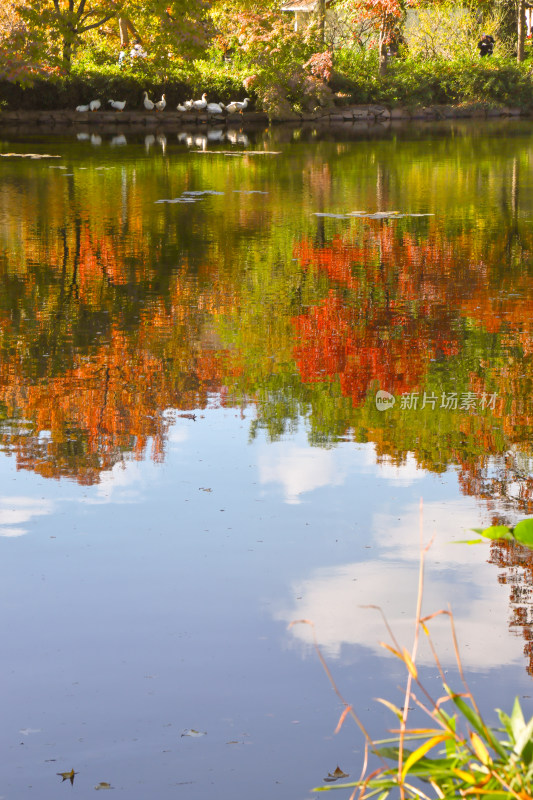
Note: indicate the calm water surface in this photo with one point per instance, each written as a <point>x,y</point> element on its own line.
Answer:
<point>192,455</point>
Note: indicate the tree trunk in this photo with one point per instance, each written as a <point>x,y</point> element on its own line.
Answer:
<point>125,28</point>
<point>321,15</point>
<point>383,59</point>
<point>67,55</point>
<point>521,30</point>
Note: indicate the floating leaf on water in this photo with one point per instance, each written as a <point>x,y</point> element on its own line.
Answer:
<point>239,152</point>
<point>176,200</point>
<point>67,776</point>
<point>523,532</point>
<point>334,776</point>
<point>103,785</point>
<point>200,192</point>
<point>497,532</point>
<point>467,541</point>
<point>333,216</point>
<point>193,733</point>
<point>386,215</point>
<point>28,155</point>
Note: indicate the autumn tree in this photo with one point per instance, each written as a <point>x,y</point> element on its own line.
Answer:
<point>20,55</point>
<point>66,20</point>
<point>385,19</point>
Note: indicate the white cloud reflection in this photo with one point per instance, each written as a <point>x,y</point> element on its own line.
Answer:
<point>302,469</point>
<point>455,573</point>
<point>299,469</point>
<point>121,483</point>
<point>17,511</point>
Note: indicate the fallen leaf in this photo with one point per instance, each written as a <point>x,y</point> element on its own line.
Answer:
<point>67,776</point>
<point>192,732</point>
<point>334,776</point>
<point>103,785</point>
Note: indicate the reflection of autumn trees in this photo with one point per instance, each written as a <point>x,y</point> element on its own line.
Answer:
<point>390,321</point>
<point>516,563</point>
<point>391,314</point>
<point>114,314</point>
<point>89,366</point>
<point>409,314</point>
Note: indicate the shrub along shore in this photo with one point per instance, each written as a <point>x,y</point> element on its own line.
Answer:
<point>463,87</point>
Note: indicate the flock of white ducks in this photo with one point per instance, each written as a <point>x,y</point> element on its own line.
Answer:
<point>160,105</point>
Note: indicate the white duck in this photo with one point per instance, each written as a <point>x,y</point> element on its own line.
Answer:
<point>237,105</point>
<point>148,104</point>
<point>161,104</point>
<point>118,105</point>
<point>185,107</point>
<point>215,108</point>
<point>82,108</point>
<point>94,105</point>
<point>199,105</point>
<point>118,141</point>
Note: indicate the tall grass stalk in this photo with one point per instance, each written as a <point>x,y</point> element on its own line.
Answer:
<point>469,759</point>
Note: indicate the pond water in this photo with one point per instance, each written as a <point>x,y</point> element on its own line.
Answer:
<point>194,453</point>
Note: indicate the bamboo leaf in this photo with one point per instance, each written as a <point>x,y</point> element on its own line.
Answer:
<point>475,720</point>
<point>524,738</point>
<point>518,722</point>
<point>465,776</point>
<point>421,751</point>
<point>480,750</point>
<point>409,663</point>
<point>390,706</point>
<point>391,649</point>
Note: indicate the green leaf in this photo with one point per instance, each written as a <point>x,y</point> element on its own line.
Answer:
<point>497,532</point>
<point>506,722</point>
<point>524,739</point>
<point>518,722</point>
<point>467,541</point>
<point>475,720</point>
<point>523,532</point>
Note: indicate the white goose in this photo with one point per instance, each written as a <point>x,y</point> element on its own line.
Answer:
<point>148,104</point>
<point>237,105</point>
<point>94,105</point>
<point>161,104</point>
<point>82,108</point>
<point>199,105</point>
<point>215,108</point>
<point>118,105</point>
<point>185,107</point>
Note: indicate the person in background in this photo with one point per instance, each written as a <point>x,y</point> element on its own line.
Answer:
<point>137,51</point>
<point>121,57</point>
<point>486,45</point>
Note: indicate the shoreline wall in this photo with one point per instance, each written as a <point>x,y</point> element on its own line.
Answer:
<point>253,119</point>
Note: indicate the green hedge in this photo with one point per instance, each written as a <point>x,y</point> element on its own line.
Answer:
<point>110,82</point>
<point>411,81</point>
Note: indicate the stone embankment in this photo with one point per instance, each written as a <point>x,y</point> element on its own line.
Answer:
<point>355,114</point>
